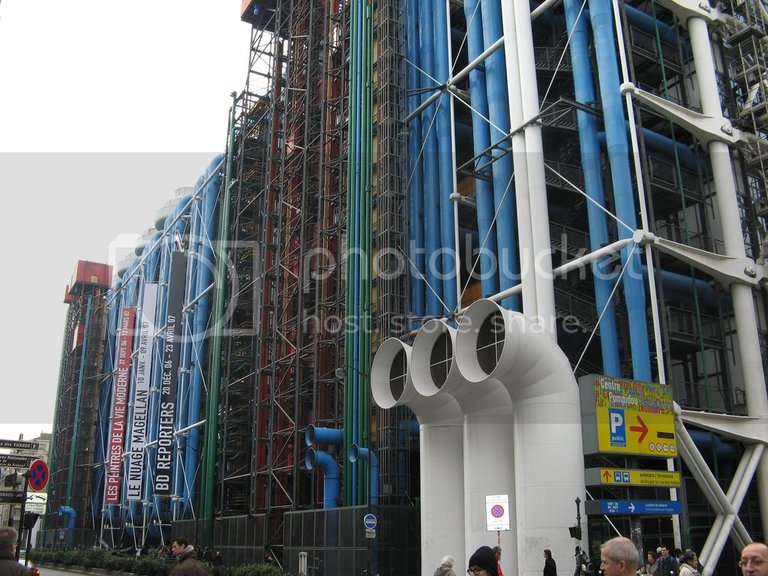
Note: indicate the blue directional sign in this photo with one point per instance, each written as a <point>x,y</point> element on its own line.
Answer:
<point>370,521</point>
<point>658,507</point>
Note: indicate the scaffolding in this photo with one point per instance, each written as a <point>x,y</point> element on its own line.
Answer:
<point>73,462</point>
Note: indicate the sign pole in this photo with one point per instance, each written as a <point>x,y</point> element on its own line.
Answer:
<point>21,517</point>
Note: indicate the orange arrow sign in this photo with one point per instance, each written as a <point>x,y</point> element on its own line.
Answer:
<point>606,475</point>
<point>643,429</point>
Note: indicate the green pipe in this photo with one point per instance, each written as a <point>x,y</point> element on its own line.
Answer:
<point>364,408</point>
<point>78,402</point>
<point>349,274</point>
<point>212,412</point>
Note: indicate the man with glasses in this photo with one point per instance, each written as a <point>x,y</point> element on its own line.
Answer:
<point>483,562</point>
<point>754,559</point>
<point>619,557</point>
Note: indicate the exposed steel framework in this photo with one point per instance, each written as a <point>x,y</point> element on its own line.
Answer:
<point>285,335</point>
<point>73,461</point>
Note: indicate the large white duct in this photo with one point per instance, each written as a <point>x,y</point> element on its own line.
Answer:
<point>441,469</point>
<point>487,432</point>
<point>504,346</point>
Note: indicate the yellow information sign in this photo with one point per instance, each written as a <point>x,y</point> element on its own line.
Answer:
<point>634,417</point>
<point>631,477</point>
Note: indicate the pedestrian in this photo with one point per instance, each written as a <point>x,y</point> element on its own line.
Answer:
<point>497,551</point>
<point>689,564</point>
<point>619,557</point>
<point>550,566</point>
<point>651,563</point>
<point>183,550</point>
<point>667,565</point>
<point>446,567</point>
<point>754,559</point>
<point>189,567</point>
<point>582,561</point>
<point>9,566</point>
<point>483,563</point>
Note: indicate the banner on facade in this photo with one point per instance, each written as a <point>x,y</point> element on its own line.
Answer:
<point>119,405</point>
<point>170,374</point>
<point>141,383</point>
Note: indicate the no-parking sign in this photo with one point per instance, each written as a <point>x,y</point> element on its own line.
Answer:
<point>38,475</point>
<point>497,512</point>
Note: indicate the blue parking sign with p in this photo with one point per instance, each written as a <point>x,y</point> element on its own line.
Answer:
<point>618,427</point>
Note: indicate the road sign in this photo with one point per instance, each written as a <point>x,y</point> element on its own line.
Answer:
<point>19,445</point>
<point>627,417</point>
<point>648,507</point>
<point>370,533</point>
<point>497,512</point>
<point>38,475</point>
<point>16,460</point>
<point>36,502</point>
<point>11,497</point>
<point>370,521</point>
<point>626,477</point>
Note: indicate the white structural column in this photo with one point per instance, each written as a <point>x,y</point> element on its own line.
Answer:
<point>519,152</point>
<point>725,188</point>
<point>534,148</point>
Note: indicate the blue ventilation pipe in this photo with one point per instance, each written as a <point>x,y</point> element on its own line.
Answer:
<point>683,287</point>
<point>481,140</point>
<point>71,514</point>
<point>601,15</point>
<point>331,475</point>
<point>359,453</point>
<point>449,267</point>
<point>653,26</point>
<point>503,186</point>
<point>434,291</point>
<point>593,183</point>
<point>416,190</point>
<point>204,251</point>
<point>320,435</point>
<point>660,143</point>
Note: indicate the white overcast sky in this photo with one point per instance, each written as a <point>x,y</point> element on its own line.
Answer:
<point>105,109</point>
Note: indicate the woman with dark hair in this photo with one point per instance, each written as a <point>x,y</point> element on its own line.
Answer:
<point>689,564</point>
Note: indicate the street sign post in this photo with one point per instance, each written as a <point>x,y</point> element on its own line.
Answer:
<point>621,416</point>
<point>38,475</point>
<point>628,477</point>
<point>19,445</point>
<point>497,512</point>
<point>37,502</point>
<point>626,507</point>
<point>11,497</point>
<point>16,461</point>
<point>370,522</point>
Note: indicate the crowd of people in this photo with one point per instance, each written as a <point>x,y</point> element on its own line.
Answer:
<point>618,557</point>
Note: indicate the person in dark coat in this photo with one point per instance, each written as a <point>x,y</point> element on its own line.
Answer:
<point>183,551</point>
<point>483,562</point>
<point>667,565</point>
<point>550,567</point>
<point>9,566</point>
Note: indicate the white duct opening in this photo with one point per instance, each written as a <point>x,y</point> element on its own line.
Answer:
<point>440,437</point>
<point>494,344</point>
<point>487,430</point>
<point>514,388</point>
